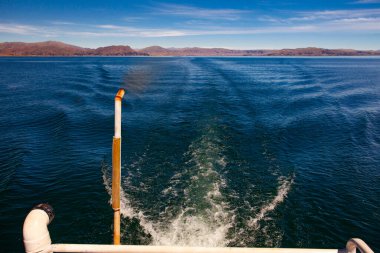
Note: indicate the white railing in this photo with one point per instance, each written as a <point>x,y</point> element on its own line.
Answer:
<point>356,243</point>
<point>37,240</point>
<point>175,249</point>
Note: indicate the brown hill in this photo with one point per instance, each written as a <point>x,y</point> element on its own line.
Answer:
<point>47,48</point>
<point>197,51</point>
<point>309,51</point>
<point>115,50</point>
<point>314,51</point>
<point>55,48</point>
<point>156,50</point>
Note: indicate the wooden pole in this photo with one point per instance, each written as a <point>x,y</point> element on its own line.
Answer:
<point>116,167</point>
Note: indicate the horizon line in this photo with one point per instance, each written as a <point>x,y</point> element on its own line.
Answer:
<point>173,47</point>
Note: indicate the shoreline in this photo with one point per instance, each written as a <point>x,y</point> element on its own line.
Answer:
<point>188,56</point>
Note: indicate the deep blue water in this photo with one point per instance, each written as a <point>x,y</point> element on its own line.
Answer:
<point>275,152</point>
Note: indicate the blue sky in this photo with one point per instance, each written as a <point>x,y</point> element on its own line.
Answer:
<point>224,23</point>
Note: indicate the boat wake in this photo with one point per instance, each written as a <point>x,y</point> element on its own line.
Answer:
<point>205,216</point>
<point>283,189</point>
<point>201,214</point>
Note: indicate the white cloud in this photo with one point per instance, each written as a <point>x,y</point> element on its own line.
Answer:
<point>134,19</point>
<point>354,21</point>
<point>200,13</point>
<point>18,29</point>
<point>367,1</point>
<point>335,14</point>
<point>126,31</point>
<point>355,24</point>
<point>57,22</point>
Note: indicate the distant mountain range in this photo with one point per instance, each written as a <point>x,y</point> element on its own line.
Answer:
<point>55,48</point>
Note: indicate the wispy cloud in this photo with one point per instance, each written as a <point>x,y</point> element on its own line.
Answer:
<point>18,29</point>
<point>355,24</point>
<point>353,20</point>
<point>367,1</point>
<point>133,19</point>
<point>200,13</point>
<point>358,20</point>
<point>58,22</point>
<point>127,31</point>
<point>327,20</point>
<point>337,25</point>
<point>336,14</point>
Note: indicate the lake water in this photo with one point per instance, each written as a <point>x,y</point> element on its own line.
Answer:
<point>266,152</point>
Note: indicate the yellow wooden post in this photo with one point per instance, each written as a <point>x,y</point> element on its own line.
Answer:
<point>116,167</point>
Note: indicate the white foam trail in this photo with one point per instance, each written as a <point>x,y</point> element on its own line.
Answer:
<point>125,205</point>
<point>126,209</point>
<point>282,191</point>
<point>204,219</point>
<point>190,230</point>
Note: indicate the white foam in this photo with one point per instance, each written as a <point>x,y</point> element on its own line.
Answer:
<point>189,230</point>
<point>282,191</point>
<point>204,219</point>
<point>193,226</point>
<point>125,205</point>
